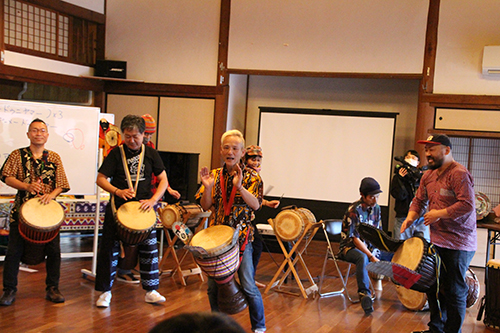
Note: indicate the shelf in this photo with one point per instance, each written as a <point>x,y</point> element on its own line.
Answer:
<point>102,78</point>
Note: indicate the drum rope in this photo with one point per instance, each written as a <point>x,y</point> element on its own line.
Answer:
<point>433,252</point>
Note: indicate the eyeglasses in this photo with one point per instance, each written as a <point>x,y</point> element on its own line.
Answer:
<point>38,130</point>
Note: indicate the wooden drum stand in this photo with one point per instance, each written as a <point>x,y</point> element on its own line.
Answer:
<point>177,268</point>
<point>299,246</point>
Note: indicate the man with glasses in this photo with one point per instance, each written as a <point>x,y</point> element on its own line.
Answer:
<point>34,172</point>
<point>352,248</point>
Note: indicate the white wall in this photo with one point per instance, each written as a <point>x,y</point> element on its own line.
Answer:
<point>376,36</point>
<point>186,125</point>
<point>465,27</point>
<point>94,5</point>
<point>173,41</point>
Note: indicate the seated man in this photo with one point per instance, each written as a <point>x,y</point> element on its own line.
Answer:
<point>352,248</point>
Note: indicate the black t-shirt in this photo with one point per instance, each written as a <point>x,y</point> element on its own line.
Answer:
<point>112,167</point>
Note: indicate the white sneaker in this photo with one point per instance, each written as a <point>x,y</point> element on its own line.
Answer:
<point>154,297</point>
<point>104,299</point>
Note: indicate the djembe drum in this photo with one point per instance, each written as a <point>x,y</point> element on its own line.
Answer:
<point>491,299</point>
<point>134,223</point>
<point>216,251</point>
<point>290,223</point>
<point>133,227</point>
<point>415,255</point>
<point>38,224</point>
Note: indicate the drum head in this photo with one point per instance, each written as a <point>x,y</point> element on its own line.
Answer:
<point>132,217</point>
<point>41,216</point>
<point>169,215</point>
<point>410,253</point>
<point>289,224</point>
<point>411,299</point>
<point>213,238</point>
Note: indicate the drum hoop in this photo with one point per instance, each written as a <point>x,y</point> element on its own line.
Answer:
<point>41,228</point>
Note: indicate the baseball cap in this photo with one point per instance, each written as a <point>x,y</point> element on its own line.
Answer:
<point>369,186</point>
<point>253,151</point>
<point>437,139</point>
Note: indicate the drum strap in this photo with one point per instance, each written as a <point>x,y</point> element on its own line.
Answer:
<point>127,171</point>
<point>129,181</point>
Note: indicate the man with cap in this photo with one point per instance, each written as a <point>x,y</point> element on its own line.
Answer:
<point>447,188</point>
<point>352,248</point>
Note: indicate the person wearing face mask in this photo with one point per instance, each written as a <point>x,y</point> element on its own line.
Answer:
<point>404,185</point>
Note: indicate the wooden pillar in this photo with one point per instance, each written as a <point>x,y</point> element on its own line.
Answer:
<point>425,112</point>
<point>222,95</point>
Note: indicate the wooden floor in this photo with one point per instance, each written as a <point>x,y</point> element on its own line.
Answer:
<point>129,312</point>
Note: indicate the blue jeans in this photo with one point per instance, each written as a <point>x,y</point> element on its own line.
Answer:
<point>417,226</point>
<point>252,293</point>
<point>360,259</point>
<point>452,291</point>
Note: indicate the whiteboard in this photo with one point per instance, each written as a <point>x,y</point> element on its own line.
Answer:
<point>73,134</point>
<point>324,154</point>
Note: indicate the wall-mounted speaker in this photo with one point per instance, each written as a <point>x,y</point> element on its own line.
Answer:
<point>111,68</point>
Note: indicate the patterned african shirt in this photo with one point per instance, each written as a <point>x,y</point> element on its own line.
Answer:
<point>358,212</point>
<point>23,166</point>
<point>240,213</point>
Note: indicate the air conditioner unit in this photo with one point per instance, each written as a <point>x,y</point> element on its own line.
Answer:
<point>491,60</point>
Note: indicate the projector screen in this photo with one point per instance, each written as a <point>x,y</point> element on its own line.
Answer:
<point>322,155</point>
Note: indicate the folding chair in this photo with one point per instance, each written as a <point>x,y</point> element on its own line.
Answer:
<point>333,228</point>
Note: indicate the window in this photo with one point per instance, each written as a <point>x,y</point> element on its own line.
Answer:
<point>30,27</point>
<point>482,159</point>
<point>48,33</point>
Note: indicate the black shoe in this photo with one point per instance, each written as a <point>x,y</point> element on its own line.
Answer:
<point>367,304</point>
<point>8,297</point>
<point>54,295</point>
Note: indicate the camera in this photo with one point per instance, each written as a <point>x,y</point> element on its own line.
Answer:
<point>414,174</point>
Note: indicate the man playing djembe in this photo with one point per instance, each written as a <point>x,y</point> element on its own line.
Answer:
<point>140,170</point>
<point>234,192</point>
<point>33,171</point>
